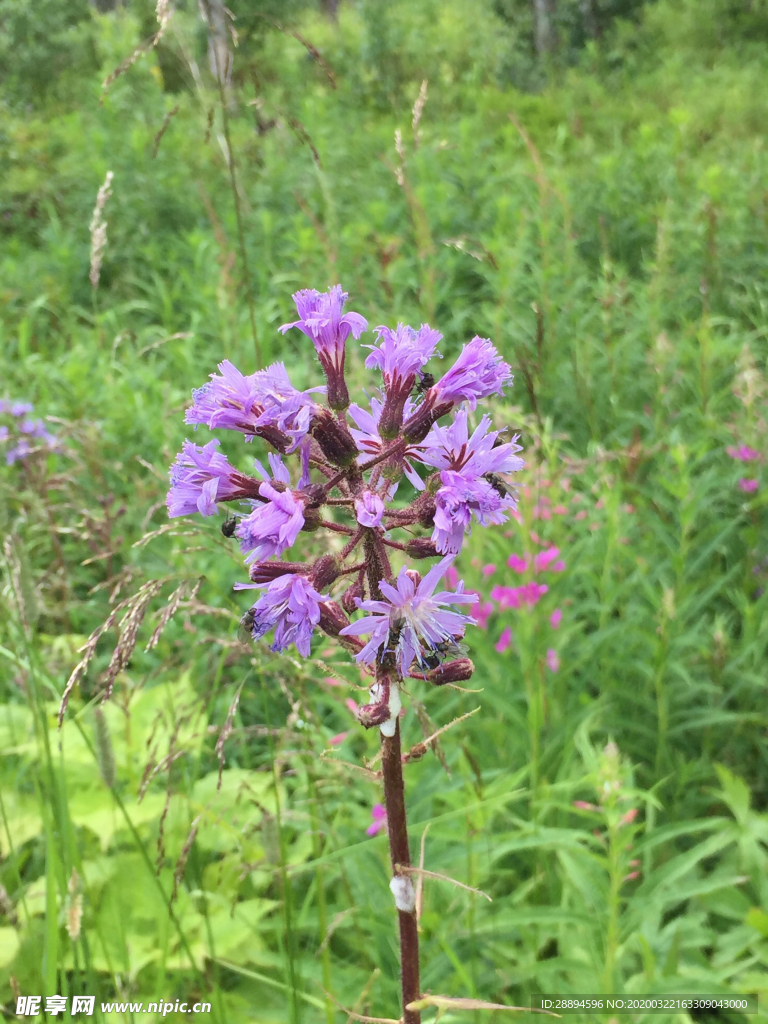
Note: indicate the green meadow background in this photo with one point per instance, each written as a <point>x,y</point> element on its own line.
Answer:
<point>600,211</point>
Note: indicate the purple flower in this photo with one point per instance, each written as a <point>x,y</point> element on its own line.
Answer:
<point>201,477</point>
<point>19,408</point>
<point>274,526</point>
<point>477,373</point>
<point>556,618</point>
<point>369,509</point>
<point>520,565</point>
<point>263,404</point>
<point>544,560</point>
<point>322,319</point>
<point>452,448</point>
<point>3,434</point>
<point>553,661</point>
<point>379,815</point>
<point>369,441</point>
<point>743,453</point>
<point>457,501</point>
<point>290,605</point>
<point>415,618</point>
<point>19,451</point>
<point>748,486</point>
<point>400,355</point>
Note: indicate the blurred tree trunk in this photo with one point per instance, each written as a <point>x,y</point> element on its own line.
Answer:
<point>544,26</point>
<point>589,21</point>
<point>331,8</point>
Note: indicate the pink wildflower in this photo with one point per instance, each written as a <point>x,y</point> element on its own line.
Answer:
<point>489,570</point>
<point>379,815</point>
<point>581,514</point>
<point>338,738</point>
<point>351,705</point>
<point>632,875</point>
<point>553,661</point>
<point>515,597</point>
<point>505,641</point>
<point>543,560</point>
<point>517,563</point>
<point>582,805</point>
<point>451,577</point>
<point>482,612</point>
<point>629,817</point>
<point>555,618</point>
<point>560,510</point>
<point>748,486</point>
<point>743,453</point>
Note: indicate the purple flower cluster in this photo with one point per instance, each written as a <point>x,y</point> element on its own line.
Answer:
<point>27,435</point>
<point>352,459</point>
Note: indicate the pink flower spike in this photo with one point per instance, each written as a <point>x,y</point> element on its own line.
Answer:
<point>379,815</point>
<point>553,662</point>
<point>451,576</point>
<point>518,564</point>
<point>489,570</point>
<point>743,453</point>
<point>543,560</point>
<point>332,681</point>
<point>558,566</point>
<point>482,612</point>
<point>338,738</point>
<point>632,875</point>
<point>560,510</point>
<point>351,705</point>
<point>582,805</point>
<point>581,514</point>
<point>748,486</point>
<point>629,817</point>
<point>505,641</point>
<point>556,618</point>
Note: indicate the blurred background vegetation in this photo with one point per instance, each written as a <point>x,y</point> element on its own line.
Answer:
<point>586,185</point>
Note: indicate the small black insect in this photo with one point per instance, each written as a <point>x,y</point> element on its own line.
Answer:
<point>395,631</point>
<point>441,652</point>
<point>499,485</point>
<point>245,629</point>
<point>424,383</point>
<point>228,526</point>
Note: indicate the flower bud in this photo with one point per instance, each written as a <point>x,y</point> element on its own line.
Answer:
<point>421,547</point>
<point>451,672</point>
<point>332,618</point>
<point>334,438</point>
<point>324,572</point>
<point>413,576</point>
<point>313,495</point>
<point>418,425</point>
<point>350,596</point>
<point>265,572</point>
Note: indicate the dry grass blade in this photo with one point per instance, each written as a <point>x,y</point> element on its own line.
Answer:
<point>405,870</point>
<point>226,732</point>
<point>135,608</point>
<point>420,878</point>
<point>186,591</point>
<point>181,863</point>
<point>446,1003</point>
<point>375,776</point>
<point>351,1015</point>
<point>164,12</point>
<point>163,129</point>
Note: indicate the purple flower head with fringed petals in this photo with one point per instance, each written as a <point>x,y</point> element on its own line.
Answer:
<point>201,477</point>
<point>453,448</point>
<point>411,618</point>
<point>461,498</point>
<point>400,355</point>
<point>479,372</point>
<point>263,404</point>
<point>291,606</point>
<point>343,495</point>
<point>274,526</point>
<point>323,320</point>
<point>30,436</point>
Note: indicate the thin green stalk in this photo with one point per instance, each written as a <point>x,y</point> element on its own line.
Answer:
<point>285,883</point>
<point>322,911</point>
<point>235,194</point>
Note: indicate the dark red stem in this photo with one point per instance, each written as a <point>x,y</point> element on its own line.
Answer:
<point>397,828</point>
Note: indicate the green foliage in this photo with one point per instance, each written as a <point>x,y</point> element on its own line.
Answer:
<point>610,236</point>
